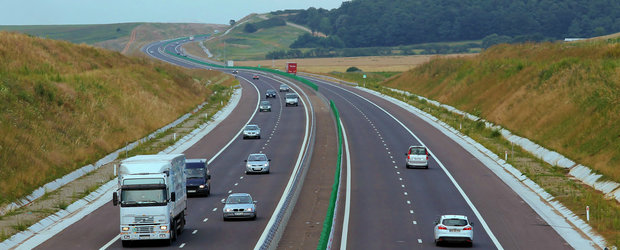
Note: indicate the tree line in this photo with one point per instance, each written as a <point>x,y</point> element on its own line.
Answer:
<point>370,23</point>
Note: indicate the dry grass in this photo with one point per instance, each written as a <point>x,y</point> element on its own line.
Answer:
<point>563,96</point>
<point>341,64</point>
<point>63,105</point>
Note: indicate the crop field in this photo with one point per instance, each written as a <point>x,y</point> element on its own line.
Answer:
<point>341,64</point>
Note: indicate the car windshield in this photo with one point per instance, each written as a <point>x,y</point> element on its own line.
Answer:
<point>257,158</point>
<point>239,200</point>
<point>454,222</point>
<point>283,87</point>
<point>291,96</point>
<point>418,151</point>
<point>271,91</point>
<point>195,172</point>
<point>137,197</point>
<point>251,127</point>
<point>264,103</point>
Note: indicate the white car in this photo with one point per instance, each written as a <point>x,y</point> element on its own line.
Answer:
<point>257,163</point>
<point>291,99</point>
<point>251,131</point>
<point>454,228</point>
<point>417,156</point>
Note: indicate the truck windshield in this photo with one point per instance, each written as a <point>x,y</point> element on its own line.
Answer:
<point>195,172</point>
<point>143,197</point>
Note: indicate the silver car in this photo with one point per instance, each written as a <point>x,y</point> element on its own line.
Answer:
<point>454,228</point>
<point>251,131</point>
<point>264,106</point>
<point>239,205</point>
<point>284,88</point>
<point>257,163</point>
<point>291,99</point>
<point>417,156</point>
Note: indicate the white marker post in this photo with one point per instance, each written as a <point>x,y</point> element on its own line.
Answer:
<point>588,213</point>
<point>506,155</point>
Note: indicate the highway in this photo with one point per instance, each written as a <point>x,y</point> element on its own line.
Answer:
<point>283,131</point>
<point>392,207</point>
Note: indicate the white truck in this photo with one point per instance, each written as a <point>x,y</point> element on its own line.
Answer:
<point>152,197</point>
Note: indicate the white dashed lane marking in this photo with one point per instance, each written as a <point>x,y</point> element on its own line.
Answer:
<point>236,184</point>
<point>408,202</point>
<point>195,231</point>
<point>411,211</point>
<point>415,222</point>
<point>420,241</point>
<point>229,191</point>
<point>205,220</point>
<point>215,209</point>
<point>406,193</point>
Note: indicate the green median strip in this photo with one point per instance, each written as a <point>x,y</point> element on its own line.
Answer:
<point>329,218</point>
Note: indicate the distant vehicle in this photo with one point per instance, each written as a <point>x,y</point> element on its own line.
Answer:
<point>417,156</point>
<point>291,100</point>
<point>255,77</point>
<point>284,88</point>
<point>235,71</point>
<point>154,186</point>
<point>257,163</point>
<point>270,93</point>
<point>239,205</point>
<point>198,177</point>
<point>191,38</point>
<point>251,131</point>
<point>264,106</point>
<point>454,228</point>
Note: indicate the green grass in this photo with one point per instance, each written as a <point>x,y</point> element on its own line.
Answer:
<point>88,34</point>
<point>238,45</point>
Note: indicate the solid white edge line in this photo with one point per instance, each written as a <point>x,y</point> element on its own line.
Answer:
<point>289,185</point>
<point>110,242</point>
<point>469,203</point>
<point>347,204</point>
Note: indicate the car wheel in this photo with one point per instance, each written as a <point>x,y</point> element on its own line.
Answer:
<point>225,219</point>
<point>437,243</point>
<point>267,172</point>
<point>426,166</point>
<point>296,104</point>
<point>245,137</point>
<point>258,137</point>
<point>407,166</point>
<point>208,191</point>
<point>254,218</point>
<point>126,243</point>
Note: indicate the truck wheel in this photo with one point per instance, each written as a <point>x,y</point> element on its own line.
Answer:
<point>173,233</point>
<point>126,243</point>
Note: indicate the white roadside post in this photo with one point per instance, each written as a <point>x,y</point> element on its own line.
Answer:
<point>588,213</point>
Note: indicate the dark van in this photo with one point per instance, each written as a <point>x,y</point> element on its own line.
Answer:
<point>198,177</point>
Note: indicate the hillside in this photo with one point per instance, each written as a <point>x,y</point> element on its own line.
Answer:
<point>564,96</point>
<point>239,44</point>
<point>63,106</point>
<point>116,36</point>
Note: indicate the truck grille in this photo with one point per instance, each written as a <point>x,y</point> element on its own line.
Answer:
<point>144,220</point>
<point>144,229</point>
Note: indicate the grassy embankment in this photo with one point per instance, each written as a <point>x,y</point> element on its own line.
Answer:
<point>565,97</point>
<point>239,45</point>
<point>63,106</point>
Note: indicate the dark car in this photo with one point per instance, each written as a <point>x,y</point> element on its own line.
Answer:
<point>271,93</point>
<point>197,177</point>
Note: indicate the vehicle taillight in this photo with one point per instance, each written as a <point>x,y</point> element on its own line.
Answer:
<point>408,157</point>
<point>467,228</point>
<point>442,228</point>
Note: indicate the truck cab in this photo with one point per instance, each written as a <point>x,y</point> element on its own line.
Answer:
<point>198,177</point>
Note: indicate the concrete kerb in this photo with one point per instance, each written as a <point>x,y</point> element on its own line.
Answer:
<point>276,231</point>
<point>557,216</point>
<point>49,226</point>
<point>580,172</point>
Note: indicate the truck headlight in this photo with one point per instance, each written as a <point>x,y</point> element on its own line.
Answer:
<point>163,227</point>
<point>125,229</point>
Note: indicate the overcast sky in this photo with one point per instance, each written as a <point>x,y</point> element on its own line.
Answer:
<point>31,12</point>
